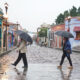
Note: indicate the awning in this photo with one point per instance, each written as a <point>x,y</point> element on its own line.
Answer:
<point>77,29</point>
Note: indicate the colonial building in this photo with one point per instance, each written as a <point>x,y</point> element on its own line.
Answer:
<point>73,25</point>
<point>54,40</point>
<point>42,39</point>
<point>1,29</point>
<point>12,37</point>
<point>7,39</point>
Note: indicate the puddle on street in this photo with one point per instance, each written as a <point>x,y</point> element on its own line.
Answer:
<point>37,72</point>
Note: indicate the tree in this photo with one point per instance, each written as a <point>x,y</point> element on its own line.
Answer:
<point>52,24</point>
<point>66,13</point>
<point>78,13</point>
<point>43,32</point>
<point>60,19</point>
<point>73,11</point>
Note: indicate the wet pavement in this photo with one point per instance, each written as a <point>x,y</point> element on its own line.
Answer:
<point>43,64</point>
<point>77,48</point>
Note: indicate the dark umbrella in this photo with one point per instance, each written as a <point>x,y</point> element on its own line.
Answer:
<point>24,36</point>
<point>18,32</point>
<point>64,34</point>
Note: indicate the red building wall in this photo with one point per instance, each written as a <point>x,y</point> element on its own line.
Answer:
<point>58,39</point>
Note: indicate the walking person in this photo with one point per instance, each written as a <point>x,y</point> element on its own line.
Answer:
<point>22,54</point>
<point>66,53</point>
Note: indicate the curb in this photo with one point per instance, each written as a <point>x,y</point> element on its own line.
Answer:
<point>78,51</point>
<point>73,50</point>
<point>6,52</point>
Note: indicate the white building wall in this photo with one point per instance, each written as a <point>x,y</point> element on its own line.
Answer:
<point>73,23</point>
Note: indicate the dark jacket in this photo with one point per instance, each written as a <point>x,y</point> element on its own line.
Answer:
<point>66,47</point>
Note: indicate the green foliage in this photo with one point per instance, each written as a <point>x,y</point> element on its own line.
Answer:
<point>78,13</point>
<point>72,12</point>
<point>42,32</point>
<point>66,13</point>
<point>60,19</point>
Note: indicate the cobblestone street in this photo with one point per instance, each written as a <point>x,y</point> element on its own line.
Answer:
<point>43,64</point>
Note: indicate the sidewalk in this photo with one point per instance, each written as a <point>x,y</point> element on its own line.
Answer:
<point>73,50</point>
<point>76,49</point>
<point>5,52</point>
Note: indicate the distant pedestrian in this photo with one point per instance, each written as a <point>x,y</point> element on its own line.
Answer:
<point>66,53</point>
<point>22,54</point>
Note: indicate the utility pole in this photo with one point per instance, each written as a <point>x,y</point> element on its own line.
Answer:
<point>6,9</point>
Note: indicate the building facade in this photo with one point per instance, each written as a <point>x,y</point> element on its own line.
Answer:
<point>54,40</point>
<point>1,29</point>
<point>12,37</point>
<point>42,39</point>
<point>74,27</point>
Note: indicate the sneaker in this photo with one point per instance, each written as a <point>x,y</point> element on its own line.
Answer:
<point>71,67</point>
<point>59,67</point>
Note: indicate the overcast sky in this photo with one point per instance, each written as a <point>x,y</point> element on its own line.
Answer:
<point>32,13</point>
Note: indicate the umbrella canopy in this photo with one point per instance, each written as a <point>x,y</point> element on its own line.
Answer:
<point>23,35</point>
<point>26,37</point>
<point>18,32</point>
<point>64,34</point>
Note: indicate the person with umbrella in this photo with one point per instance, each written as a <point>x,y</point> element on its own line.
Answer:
<point>66,53</point>
<point>66,47</point>
<point>22,48</point>
<point>22,54</point>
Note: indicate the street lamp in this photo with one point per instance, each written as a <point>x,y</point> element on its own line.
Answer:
<point>6,9</point>
<point>69,19</point>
